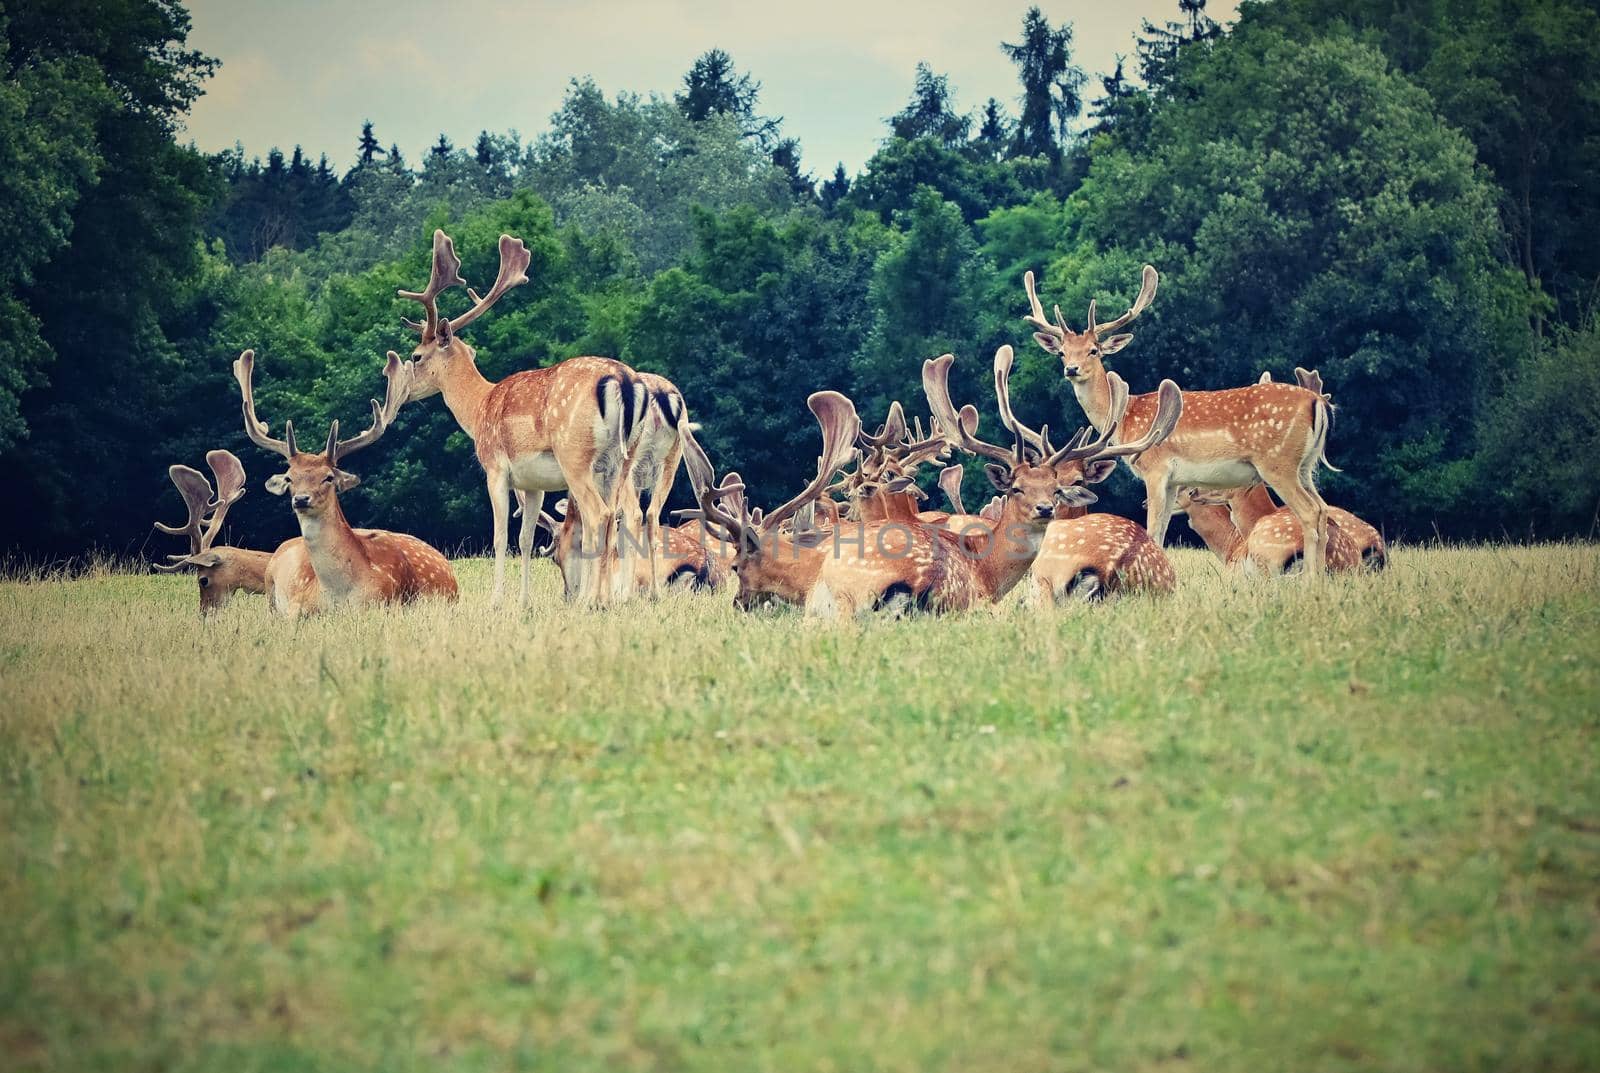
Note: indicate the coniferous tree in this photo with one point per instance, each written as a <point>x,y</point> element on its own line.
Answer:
<point>993,132</point>
<point>368,146</point>
<point>484,152</point>
<point>834,189</point>
<point>442,148</point>
<point>930,113</point>
<point>1112,109</point>
<point>1158,46</point>
<point>1051,85</point>
<point>786,157</point>
<point>714,87</point>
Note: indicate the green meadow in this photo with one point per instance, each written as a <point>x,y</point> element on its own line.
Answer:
<point>1252,826</point>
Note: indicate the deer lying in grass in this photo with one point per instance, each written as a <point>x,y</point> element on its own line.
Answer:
<point>331,564</point>
<point>220,570</point>
<point>570,426</point>
<point>898,565</point>
<point>1246,530</point>
<point>685,557</point>
<point>1271,433</point>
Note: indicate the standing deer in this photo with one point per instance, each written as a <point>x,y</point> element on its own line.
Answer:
<point>330,564</point>
<point>569,426</point>
<point>1274,433</point>
<point>220,570</point>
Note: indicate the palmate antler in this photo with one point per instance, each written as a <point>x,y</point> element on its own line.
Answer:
<point>723,505</point>
<point>1169,407</point>
<point>959,429</point>
<point>446,273</point>
<point>1149,279</point>
<point>395,371</point>
<point>206,508</point>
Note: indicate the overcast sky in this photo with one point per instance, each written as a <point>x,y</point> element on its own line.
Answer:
<point>309,71</point>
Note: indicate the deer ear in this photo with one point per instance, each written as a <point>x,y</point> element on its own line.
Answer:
<point>206,559</point>
<point>278,484</point>
<point>343,481</point>
<point>443,334</point>
<point>999,476</point>
<point>1079,496</point>
<point>1099,470</point>
<point>1048,341</point>
<point>1116,343</point>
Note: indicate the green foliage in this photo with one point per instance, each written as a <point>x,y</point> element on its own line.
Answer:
<point>1051,85</point>
<point>1536,472</point>
<point>1307,207</point>
<point>1519,78</point>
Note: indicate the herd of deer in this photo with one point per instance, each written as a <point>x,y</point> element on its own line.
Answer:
<point>855,539</point>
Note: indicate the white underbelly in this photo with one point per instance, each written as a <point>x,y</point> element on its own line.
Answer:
<point>1223,473</point>
<point>538,472</point>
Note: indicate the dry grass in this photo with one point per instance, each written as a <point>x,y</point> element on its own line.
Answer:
<point>1252,826</point>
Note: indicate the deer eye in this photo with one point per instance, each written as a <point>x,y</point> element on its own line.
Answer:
<point>205,582</point>
<point>328,479</point>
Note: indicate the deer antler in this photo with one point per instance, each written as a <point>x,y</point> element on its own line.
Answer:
<point>1147,291</point>
<point>840,426</point>
<point>1309,379</point>
<point>1002,389</point>
<point>446,274</point>
<point>959,430</point>
<point>1169,407</point>
<point>950,484</point>
<point>1036,315</point>
<point>398,375</point>
<point>892,431</point>
<point>514,261</point>
<point>203,506</point>
<point>244,372</point>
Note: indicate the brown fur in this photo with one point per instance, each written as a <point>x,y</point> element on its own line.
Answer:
<point>1118,553</point>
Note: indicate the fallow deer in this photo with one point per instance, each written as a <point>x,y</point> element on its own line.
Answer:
<point>1247,531</point>
<point>1274,433</point>
<point>689,556</point>
<point>331,564</point>
<point>896,565</point>
<point>220,570</point>
<point>569,426</point>
<point>1254,512</point>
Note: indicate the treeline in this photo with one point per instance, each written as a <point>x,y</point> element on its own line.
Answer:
<point>1395,195</point>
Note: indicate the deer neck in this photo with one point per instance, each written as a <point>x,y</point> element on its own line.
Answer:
<point>1094,395</point>
<point>464,389</point>
<point>336,552</point>
<point>1002,557</point>
<point>790,571</point>
<point>1214,526</point>
<point>1250,507</point>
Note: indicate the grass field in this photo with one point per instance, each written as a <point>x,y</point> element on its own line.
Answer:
<point>1251,827</point>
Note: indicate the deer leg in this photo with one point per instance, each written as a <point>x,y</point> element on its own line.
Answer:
<point>594,540</point>
<point>532,504</point>
<point>1312,513</point>
<point>1160,497</point>
<point>500,504</point>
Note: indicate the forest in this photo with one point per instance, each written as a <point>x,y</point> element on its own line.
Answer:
<point>1402,195</point>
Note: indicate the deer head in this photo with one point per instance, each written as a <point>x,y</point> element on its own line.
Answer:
<point>1082,353</point>
<point>207,509</point>
<point>440,349</point>
<point>314,481</point>
<point>770,567</point>
<point>1033,476</point>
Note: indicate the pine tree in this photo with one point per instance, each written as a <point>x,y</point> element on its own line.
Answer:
<point>834,190</point>
<point>786,158</point>
<point>442,148</point>
<point>1159,46</point>
<point>368,146</point>
<point>929,114</point>
<point>1111,109</point>
<point>397,162</point>
<point>993,132</point>
<point>1051,85</point>
<point>714,87</point>
<point>484,152</point>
